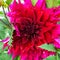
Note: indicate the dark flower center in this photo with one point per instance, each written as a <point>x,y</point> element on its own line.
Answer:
<point>29,29</point>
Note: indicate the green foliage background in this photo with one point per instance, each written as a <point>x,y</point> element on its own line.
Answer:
<point>5,31</point>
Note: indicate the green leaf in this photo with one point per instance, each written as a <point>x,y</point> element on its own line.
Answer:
<point>1,12</point>
<point>57,56</point>
<point>5,5</point>
<point>49,47</point>
<point>52,3</point>
<point>59,1</point>
<point>8,1</point>
<point>5,56</point>
<point>2,34</point>
<point>58,51</point>
<point>34,2</point>
<point>4,31</point>
<point>1,45</point>
<point>51,58</point>
<point>17,58</point>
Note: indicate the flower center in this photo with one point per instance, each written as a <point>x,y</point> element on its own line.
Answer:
<point>29,29</point>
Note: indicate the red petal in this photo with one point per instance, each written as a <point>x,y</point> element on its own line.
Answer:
<point>5,42</point>
<point>41,4</point>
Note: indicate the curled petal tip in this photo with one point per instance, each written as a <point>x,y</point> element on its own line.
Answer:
<point>5,40</point>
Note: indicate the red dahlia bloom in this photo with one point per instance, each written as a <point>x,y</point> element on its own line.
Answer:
<point>34,26</point>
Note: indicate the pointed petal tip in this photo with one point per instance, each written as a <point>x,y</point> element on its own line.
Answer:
<point>41,3</point>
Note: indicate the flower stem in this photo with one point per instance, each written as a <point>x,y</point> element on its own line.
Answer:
<point>57,56</point>
<point>5,24</point>
<point>5,14</point>
<point>6,18</point>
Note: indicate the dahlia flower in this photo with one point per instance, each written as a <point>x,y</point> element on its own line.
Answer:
<point>33,26</point>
